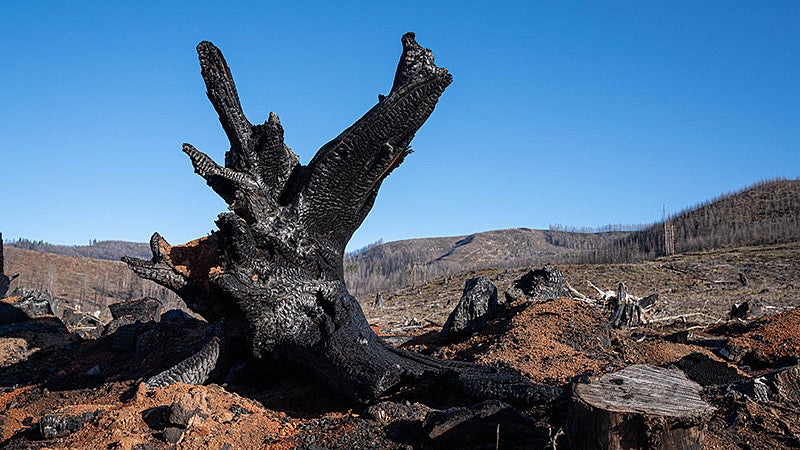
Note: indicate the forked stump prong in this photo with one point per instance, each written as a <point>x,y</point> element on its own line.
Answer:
<point>272,275</point>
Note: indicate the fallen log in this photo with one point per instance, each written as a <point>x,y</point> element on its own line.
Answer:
<point>638,407</point>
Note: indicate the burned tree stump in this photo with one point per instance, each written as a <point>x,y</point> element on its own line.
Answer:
<point>477,306</point>
<point>270,280</point>
<point>639,407</point>
<point>626,312</point>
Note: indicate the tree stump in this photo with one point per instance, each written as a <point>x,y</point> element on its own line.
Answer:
<point>270,279</point>
<point>639,407</point>
<point>626,312</point>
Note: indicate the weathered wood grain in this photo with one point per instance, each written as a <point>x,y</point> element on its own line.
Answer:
<point>639,407</point>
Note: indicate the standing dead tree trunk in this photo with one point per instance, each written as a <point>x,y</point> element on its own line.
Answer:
<point>270,280</point>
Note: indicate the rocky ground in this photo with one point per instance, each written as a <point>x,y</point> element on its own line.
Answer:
<point>60,391</point>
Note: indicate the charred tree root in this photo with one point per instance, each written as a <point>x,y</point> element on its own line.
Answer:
<point>192,370</point>
<point>272,273</point>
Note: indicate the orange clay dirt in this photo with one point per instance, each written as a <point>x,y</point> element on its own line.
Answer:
<point>557,342</point>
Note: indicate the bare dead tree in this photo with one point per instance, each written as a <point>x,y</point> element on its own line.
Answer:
<point>270,279</point>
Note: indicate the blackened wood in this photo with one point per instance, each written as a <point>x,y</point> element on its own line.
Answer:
<point>271,276</point>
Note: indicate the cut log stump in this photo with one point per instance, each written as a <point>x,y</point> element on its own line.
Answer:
<point>639,407</point>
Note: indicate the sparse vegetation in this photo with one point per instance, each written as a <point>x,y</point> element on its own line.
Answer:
<point>761,214</point>
<point>110,250</point>
<point>88,282</point>
<point>765,213</point>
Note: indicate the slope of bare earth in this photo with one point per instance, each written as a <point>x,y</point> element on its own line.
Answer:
<point>557,342</point>
<point>90,283</point>
<point>699,287</point>
<point>395,264</point>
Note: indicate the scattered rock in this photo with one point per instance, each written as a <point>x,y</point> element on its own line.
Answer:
<point>546,283</point>
<point>189,408</point>
<point>95,370</point>
<point>477,306</point>
<point>487,423</point>
<point>173,435</point>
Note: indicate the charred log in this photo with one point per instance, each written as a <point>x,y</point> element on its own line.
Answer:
<point>271,276</point>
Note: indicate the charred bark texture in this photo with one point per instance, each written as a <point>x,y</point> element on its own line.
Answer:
<point>272,274</point>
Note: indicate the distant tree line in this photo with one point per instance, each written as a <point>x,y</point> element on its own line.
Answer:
<point>111,250</point>
<point>363,249</point>
<point>765,213</point>
<point>609,228</point>
<point>393,265</point>
<point>761,214</point>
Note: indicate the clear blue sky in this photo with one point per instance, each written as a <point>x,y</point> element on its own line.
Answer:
<point>579,113</point>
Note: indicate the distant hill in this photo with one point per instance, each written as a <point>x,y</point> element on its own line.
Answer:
<point>111,250</point>
<point>92,283</point>
<point>765,213</point>
<point>395,264</point>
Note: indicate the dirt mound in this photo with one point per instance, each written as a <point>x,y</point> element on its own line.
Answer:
<point>764,343</point>
<point>550,342</point>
